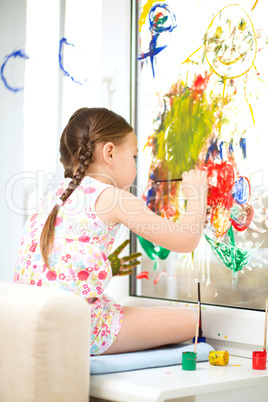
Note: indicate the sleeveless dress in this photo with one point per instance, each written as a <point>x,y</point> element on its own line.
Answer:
<point>78,260</point>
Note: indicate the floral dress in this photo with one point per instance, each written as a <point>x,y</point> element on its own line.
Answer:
<point>78,260</point>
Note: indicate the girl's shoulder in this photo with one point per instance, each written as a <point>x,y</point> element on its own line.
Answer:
<point>89,189</point>
<point>92,187</point>
<point>84,197</point>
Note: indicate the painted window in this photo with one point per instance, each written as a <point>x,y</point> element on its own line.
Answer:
<point>201,101</point>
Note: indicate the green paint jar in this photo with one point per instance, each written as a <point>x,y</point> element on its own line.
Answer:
<point>188,361</point>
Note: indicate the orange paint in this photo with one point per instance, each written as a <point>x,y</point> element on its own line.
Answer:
<point>220,220</point>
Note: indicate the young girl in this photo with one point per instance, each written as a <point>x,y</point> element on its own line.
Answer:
<point>67,243</point>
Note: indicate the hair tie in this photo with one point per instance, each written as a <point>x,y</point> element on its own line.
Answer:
<point>59,202</point>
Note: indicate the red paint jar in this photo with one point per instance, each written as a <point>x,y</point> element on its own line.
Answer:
<point>259,360</point>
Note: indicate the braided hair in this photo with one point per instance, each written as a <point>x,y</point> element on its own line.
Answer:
<point>86,128</point>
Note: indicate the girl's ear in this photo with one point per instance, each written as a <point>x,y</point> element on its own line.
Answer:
<point>108,153</point>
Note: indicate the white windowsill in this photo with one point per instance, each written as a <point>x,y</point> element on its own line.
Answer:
<point>238,331</point>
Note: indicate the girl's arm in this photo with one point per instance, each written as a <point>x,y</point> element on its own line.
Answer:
<point>118,206</point>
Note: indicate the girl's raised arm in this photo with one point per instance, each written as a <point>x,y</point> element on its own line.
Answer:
<point>118,206</point>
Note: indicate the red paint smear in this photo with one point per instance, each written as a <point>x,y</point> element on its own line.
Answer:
<point>221,175</point>
<point>157,18</point>
<point>226,178</point>
<point>221,178</point>
<point>200,83</point>
<point>143,275</point>
<point>159,276</point>
<point>215,198</point>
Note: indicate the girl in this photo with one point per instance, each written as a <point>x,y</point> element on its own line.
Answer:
<point>67,243</point>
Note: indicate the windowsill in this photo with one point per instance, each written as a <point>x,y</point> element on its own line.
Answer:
<point>234,382</point>
<point>238,331</point>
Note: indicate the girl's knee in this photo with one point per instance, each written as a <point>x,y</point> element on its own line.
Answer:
<point>190,319</point>
<point>189,312</point>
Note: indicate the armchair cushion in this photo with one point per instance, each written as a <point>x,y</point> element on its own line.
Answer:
<point>44,345</point>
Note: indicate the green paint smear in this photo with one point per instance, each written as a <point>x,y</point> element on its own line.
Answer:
<point>184,131</point>
<point>231,256</point>
<point>153,251</point>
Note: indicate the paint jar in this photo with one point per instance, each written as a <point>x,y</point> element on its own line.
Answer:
<point>218,357</point>
<point>259,360</point>
<point>188,361</point>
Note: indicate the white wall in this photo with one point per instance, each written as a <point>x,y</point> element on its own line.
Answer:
<point>116,74</point>
<point>115,94</point>
<point>12,37</point>
<point>116,54</point>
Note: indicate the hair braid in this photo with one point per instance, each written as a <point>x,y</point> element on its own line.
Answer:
<point>85,157</point>
<point>68,173</point>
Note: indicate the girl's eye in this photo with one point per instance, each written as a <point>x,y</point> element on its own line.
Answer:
<point>136,156</point>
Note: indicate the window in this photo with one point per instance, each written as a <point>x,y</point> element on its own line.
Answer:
<point>201,74</point>
<point>67,69</point>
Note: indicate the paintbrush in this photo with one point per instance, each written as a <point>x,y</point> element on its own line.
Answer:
<point>197,327</point>
<point>259,358</point>
<point>265,326</point>
<point>200,318</point>
<point>166,180</point>
<point>200,337</point>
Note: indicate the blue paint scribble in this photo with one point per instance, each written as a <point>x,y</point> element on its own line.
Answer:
<point>64,41</point>
<point>231,147</point>
<point>213,150</point>
<point>241,190</point>
<point>221,150</point>
<point>17,53</point>
<point>151,198</point>
<point>243,146</point>
<point>157,25</point>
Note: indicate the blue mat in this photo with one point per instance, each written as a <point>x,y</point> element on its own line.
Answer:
<point>160,357</point>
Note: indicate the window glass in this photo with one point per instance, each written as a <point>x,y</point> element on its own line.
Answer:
<point>202,101</point>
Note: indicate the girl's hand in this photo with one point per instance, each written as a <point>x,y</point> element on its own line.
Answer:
<point>119,265</point>
<point>195,184</point>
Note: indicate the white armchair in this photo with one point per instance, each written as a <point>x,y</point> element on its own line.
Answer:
<point>44,345</point>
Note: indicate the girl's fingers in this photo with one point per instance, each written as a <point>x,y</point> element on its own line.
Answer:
<point>121,247</point>
<point>191,172</point>
<point>184,174</point>
<point>131,256</point>
<point>127,272</point>
<point>199,173</point>
<point>131,264</point>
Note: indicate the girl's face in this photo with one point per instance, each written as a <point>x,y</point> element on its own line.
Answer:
<point>125,162</point>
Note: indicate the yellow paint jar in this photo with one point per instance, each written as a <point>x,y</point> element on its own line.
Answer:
<point>218,357</point>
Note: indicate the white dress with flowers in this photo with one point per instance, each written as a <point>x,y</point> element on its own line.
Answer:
<point>78,260</point>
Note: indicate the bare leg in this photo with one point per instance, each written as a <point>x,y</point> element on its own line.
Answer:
<point>149,327</point>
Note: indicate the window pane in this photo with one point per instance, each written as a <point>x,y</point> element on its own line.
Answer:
<point>202,99</point>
